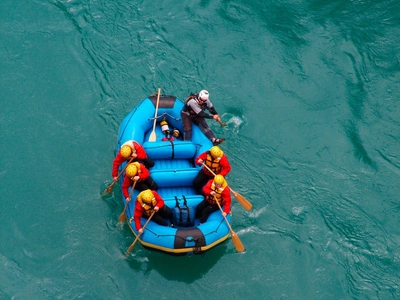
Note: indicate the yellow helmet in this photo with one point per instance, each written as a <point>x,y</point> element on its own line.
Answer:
<point>219,179</point>
<point>131,170</point>
<point>125,151</point>
<point>164,126</point>
<point>147,196</point>
<point>137,164</point>
<point>216,152</point>
<point>176,132</point>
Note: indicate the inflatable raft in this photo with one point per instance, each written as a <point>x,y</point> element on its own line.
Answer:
<point>174,171</point>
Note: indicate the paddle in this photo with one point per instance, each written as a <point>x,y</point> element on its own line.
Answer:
<point>122,216</point>
<point>222,123</point>
<point>153,136</point>
<point>111,186</point>
<point>242,200</point>
<point>235,239</point>
<point>137,238</point>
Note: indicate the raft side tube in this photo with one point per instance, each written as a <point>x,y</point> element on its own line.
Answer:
<point>174,178</point>
<point>171,150</point>
<point>135,123</point>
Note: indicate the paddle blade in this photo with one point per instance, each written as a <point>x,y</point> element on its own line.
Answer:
<point>122,217</point>
<point>153,137</point>
<point>137,238</point>
<point>242,200</point>
<point>237,242</point>
<point>109,188</point>
<point>131,246</point>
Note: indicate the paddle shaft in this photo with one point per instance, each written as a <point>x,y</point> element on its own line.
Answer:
<point>227,222</point>
<point>235,239</point>
<point>243,201</point>
<point>110,187</point>
<point>122,216</point>
<point>137,238</point>
<point>222,123</point>
<point>153,136</point>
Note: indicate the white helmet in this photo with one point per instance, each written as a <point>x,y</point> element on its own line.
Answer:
<point>203,95</point>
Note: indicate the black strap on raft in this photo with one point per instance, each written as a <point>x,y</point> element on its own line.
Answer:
<point>173,149</point>
<point>183,217</point>
<point>197,245</point>
<point>187,207</point>
<point>180,210</point>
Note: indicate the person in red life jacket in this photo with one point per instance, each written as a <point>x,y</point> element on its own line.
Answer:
<point>130,149</point>
<point>147,202</point>
<point>216,161</point>
<point>194,111</point>
<point>215,190</point>
<point>137,172</point>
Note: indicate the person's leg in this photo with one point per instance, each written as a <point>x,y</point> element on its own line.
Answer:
<point>187,127</point>
<point>201,122</point>
<point>148,162</point>
<point>199,209</point>
<point>159,219</point>
<point>141,186</point>
<point>207,131</point>
<point>165,212</point>
<point>151,184</point>
<point>199,181</point>
<point>207,211</point>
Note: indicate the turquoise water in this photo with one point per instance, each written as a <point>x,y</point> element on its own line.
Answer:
<point>309,90</point>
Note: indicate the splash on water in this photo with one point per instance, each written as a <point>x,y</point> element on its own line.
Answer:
<point>234,122</point>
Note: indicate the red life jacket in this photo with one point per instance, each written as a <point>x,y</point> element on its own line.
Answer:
<point>218,193</point>
<point>148,207</point>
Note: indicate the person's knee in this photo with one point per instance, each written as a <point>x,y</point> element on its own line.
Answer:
<point>204,216</point>
<point>195,183</point>
<point>153,185</point>
<point>149,163</point>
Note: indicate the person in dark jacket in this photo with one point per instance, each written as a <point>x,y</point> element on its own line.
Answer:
<point>194,111</point>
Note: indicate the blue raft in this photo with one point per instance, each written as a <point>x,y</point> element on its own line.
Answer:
<point>174,172</point>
